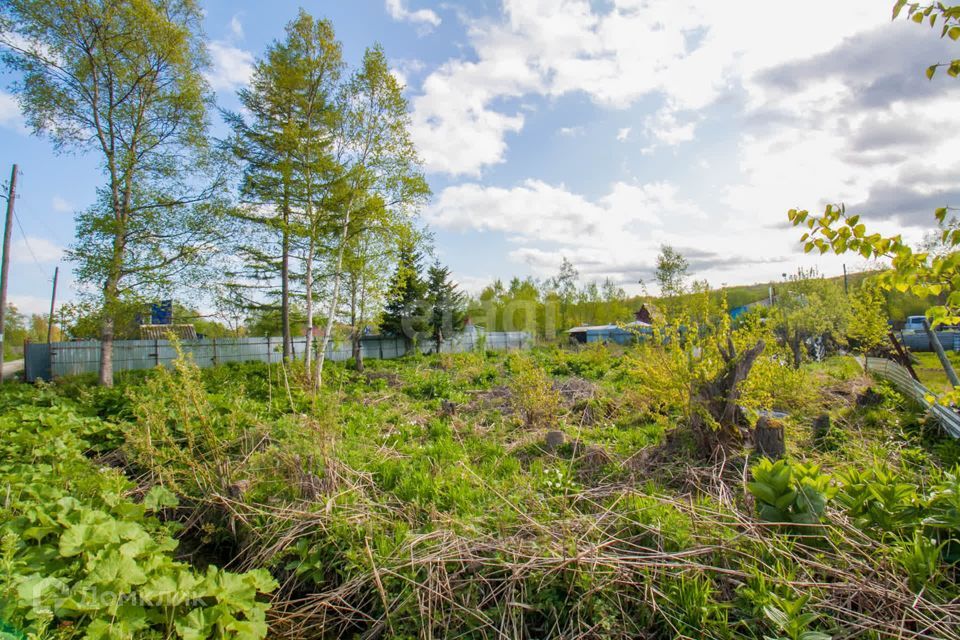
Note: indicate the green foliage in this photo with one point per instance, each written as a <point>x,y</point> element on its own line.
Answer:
<point>375,487</point>
<point>405,295</point>
<point>879,500</point>
<point>868,323</point>
<point>808,307</point>
<point>790,493</point>
<point>692,608</point>
<point>534,396</point>
<point>547,308</point>
<point>77,553</point>
<point>445,304</point>
<point>790,618</point>
<point>671,272</point>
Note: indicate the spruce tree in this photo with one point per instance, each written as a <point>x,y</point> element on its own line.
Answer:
<point>407,293</point>
<point>446,304</point>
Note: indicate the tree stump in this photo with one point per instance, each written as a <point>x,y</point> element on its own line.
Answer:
<point>821,427</point>
<point>448,409</point>
<point>768,438</point>
<point>554,440</point>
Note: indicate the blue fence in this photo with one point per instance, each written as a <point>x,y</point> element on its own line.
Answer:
<point>59,359</point>
<point>919,341</point>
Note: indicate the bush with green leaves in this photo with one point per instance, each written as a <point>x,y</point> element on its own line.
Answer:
<point>79,556</point>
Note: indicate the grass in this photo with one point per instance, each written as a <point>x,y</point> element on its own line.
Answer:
<point>930,371</point>
<point>421,498</point>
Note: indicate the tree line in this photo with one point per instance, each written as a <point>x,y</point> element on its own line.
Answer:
<point>301,209</point>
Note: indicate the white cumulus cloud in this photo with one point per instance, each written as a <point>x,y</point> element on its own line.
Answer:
<point>231,66</point>
<point>398,10</point>
<point>25,250</point>
<point>687,53</point>
<point>10,117</point>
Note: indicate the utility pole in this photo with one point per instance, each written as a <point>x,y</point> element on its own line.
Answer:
<point>53,304</point>
<point>5,267</point>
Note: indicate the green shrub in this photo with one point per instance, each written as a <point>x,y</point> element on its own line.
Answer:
<point>790,493</point>
<point>533,394</point>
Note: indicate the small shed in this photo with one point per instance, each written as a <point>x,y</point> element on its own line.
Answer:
<point>615,333</point>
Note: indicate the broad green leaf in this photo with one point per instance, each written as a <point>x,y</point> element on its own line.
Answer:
<point>159,497</point>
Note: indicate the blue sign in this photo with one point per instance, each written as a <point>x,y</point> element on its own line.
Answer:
<point>162,312</point>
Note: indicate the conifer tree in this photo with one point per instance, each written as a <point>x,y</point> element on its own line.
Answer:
<point>290,176</point>
<point>445,305</point>
<point>402,316</point>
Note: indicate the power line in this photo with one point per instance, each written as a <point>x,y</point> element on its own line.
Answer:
<point>27,243</point>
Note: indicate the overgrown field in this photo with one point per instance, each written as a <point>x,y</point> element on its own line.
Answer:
<point>424,498</point>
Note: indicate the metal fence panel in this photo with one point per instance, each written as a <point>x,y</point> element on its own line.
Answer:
<point>918,340</point>
<point>36,361</point>
<point>43,362</point>
<point>901,378</point>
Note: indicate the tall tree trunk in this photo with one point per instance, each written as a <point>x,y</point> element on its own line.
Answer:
<point>106,350</point>
<point>356,347</point>
<point>112,285</point>
<point>308,350</point>
<point>110,296</point>
<point>358,355</point>
<point>285,289</point>
<point>334,300</point>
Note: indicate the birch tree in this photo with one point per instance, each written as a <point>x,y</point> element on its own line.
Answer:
<point>379,162</point>
<point>122,80</point>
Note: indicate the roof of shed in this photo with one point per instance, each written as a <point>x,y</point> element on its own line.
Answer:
<point>163,331</point>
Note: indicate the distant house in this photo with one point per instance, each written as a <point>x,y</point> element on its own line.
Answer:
<point>648,314</point>
<point>618,334</point>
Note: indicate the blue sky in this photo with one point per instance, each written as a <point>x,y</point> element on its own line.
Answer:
<point>601,130</point>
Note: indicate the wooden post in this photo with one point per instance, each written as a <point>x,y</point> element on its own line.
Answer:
<point>53,304</point>
<point>156,352</point>
<point>214,351</point>
<point>944,361</point>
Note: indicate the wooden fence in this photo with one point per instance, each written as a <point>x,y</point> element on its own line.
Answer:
<point>59,359</point>
<point>904,382</point>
